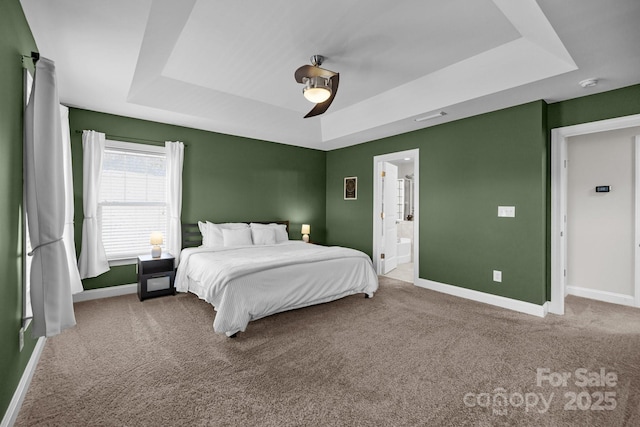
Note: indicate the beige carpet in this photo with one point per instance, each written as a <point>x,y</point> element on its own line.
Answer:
<point>408,356</point>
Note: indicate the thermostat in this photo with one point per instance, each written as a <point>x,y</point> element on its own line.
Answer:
<point>603,189</point>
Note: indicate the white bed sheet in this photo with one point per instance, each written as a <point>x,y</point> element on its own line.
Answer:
<point>251,282</point>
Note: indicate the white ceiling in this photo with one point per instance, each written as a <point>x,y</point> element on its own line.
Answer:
<point>227,66</point>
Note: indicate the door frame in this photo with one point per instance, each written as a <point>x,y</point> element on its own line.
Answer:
<point>559,203</point>
<point>389,218</point>
<point>377,206</point>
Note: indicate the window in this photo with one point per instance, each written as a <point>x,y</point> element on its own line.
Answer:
<point>132,201</point>
<point>27,311</point>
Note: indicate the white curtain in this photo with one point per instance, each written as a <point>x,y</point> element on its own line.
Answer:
<point>45,194</point>
<point>68,233</point>
<point>93,259</point>
<point>175,158</point>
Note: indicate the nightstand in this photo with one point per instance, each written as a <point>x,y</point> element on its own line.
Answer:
<point>155,276</point>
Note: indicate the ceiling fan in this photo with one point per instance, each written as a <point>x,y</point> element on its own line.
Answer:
<point>320,85</point>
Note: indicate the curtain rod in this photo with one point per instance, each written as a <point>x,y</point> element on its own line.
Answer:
<point>34,55</point>
<point>109,136</point>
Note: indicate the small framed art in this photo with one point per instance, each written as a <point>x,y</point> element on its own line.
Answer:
<point>351,188</point>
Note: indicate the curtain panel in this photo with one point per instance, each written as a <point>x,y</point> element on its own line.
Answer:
<point>93,259</point>
<point>175,159</point>
<point>45,205</point>
<point>68,233</point>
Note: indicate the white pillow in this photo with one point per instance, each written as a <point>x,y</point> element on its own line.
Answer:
<point>237,237</point>
<point>280,229</point>
<point>204,230</point>
<point>233,225</point>
<point>212,233</point>
<point>263,236</point>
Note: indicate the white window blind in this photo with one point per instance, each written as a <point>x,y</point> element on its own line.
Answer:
<point>132,201</point>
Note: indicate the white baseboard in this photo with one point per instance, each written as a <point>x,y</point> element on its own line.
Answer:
<point>111,291</point>
<point>605,296</point>
<point>499,301</point>
<point>18,396</point>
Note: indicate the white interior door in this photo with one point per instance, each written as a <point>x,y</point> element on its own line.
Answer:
<point>600,235</point>
<point>559,179</point>
<point>390,210</point>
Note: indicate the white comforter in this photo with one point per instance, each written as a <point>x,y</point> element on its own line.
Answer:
<point>250,282</point>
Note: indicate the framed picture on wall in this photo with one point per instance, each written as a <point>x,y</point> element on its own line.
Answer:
<point>351,188</point>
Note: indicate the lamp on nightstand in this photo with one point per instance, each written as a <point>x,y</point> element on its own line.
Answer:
<point>156,241</point>
<point>306,230</point>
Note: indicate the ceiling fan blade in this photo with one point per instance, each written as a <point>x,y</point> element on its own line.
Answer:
<point>323,106</point>
<point>312,71</point>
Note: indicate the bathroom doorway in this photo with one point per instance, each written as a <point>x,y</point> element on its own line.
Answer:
<point>396,219</point>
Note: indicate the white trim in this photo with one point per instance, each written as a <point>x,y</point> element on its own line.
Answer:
<point>111,291</point>
<point>496,300</point>
<point>558,226</point>
<point>605,296</point>
<point>123,261</point>
<point>600,126</point>
<point>377,201</point>
<point>559,200</point>
<point>377,224</point>
<point>21,391</point>
<point>416,215</point>
<point>636,251</point>
<point>135,147</point>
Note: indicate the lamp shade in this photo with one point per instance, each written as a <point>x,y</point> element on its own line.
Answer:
<point>317,89</point>
<point>156,238</point>
<point>317,95</point>
<point>306,229</point>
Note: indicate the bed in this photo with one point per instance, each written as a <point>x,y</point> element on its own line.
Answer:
<point>250,274</point>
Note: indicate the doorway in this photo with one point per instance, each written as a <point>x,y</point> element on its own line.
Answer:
<point>600,216</point>
<point>396,215</point>
<point>560,215</point>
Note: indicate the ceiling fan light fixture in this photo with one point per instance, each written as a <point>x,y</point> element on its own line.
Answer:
<point>316,89</point>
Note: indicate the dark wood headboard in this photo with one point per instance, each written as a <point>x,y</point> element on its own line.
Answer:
<point>191,236</point>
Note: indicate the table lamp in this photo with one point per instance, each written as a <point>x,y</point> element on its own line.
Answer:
<point>156,241</point>
<point>306,230</point>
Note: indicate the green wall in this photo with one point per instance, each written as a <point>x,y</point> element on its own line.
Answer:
<point>601,106</point>
<point>15,40</point>
<point>467,168</point>
<point>225,178</point>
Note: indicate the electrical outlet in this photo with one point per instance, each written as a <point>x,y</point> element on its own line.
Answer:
<point>21,338</point>
<point>497,276</point>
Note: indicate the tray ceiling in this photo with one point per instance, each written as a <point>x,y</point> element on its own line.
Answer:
<point>228,66</point>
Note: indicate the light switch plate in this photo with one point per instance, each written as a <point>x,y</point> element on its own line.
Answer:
<point>497,276</point>
<point>507,211</point>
